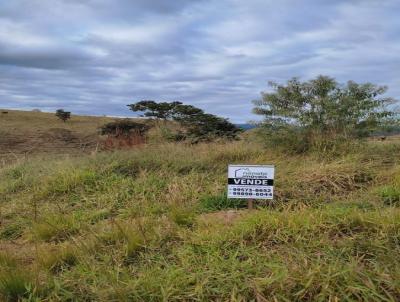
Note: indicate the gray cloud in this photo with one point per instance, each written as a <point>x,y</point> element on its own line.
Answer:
<point>96,56</point>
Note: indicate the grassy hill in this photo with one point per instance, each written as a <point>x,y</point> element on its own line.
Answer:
<point>17,121</point>
<point>153,224</point>
<point>26,132</point>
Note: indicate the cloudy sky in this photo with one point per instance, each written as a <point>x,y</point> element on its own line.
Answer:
<point>96,56</point>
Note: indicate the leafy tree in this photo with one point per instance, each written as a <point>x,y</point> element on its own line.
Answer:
<point>185,112</point>
<point>162,110</point>
<point>63,115</point>
<point>206,126</point>
<point>198,125</point>
<point>323,105</point>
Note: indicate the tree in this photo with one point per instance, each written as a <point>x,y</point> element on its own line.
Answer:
<point>198,125</point>
<point>207,126</point>
<point>63,115</point>
<point>323,105</point>
<point>162,110</point>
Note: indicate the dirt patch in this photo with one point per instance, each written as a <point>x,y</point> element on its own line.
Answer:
<point>54,140</point>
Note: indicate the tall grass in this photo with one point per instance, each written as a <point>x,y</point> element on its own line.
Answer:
<point>152,224</point>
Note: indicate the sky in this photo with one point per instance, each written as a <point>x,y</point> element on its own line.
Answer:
<point>96,56</point>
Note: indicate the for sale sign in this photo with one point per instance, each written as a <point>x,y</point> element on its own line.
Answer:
<point>251,181</point>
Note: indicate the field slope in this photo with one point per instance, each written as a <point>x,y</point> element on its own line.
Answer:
<point>25,132</point>
<point>153,224</point>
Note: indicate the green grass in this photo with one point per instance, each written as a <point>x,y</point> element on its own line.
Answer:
<point>220,202</point>
<point>153,224</point>
<point>13,285</point>
<point>14,281</point>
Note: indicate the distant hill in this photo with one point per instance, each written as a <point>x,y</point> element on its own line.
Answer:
<point>395,130</point>
<point>246,126</point>
<point>28,132</point>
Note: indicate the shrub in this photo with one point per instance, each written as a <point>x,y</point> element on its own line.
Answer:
<point>290,139</point>
<point>124,127</point>
<point>324,111</point>
<point>293,139</point>
<point>63,115</point>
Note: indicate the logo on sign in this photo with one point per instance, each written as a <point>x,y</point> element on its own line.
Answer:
<point>247,173</point>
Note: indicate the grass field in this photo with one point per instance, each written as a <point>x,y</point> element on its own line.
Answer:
<point>153,224</point>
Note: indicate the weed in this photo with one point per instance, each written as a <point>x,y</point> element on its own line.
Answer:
<point>12,231</point>
<point>390,195</point>
<point>182,216</point>
<point>58,259</point>
<point>56,228</point>
<point>135,243</point>
<point>13,285</point>
<point>220,202</point>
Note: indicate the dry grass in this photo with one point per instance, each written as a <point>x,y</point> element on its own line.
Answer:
<point>25,133</point>
<point>30,122</point>
<point>153,224</point>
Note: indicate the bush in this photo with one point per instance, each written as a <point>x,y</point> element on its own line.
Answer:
<point>124,127</point>
<point>321,113</point>
<point>290,139</point>
<point>296,140</point>
<point>63,115</point>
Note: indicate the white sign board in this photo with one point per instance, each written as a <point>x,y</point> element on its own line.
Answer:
<point>251,181</point>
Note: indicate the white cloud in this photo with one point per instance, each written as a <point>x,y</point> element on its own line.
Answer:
<point>218,55</point>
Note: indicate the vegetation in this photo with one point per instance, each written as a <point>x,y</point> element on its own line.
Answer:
<point>22,122</point>
<point>153,224</point>
<point>152,109</point>
<point>197,125</point>
<point>27,133</point>
<point>124,127</point>
<point>321,112</point>
<point>63,115</point>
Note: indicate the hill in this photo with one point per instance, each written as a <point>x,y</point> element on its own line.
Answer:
<point>28,132</point>
<point>153,224</point>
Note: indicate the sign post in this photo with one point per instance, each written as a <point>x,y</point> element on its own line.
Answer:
<point>251,182</point>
